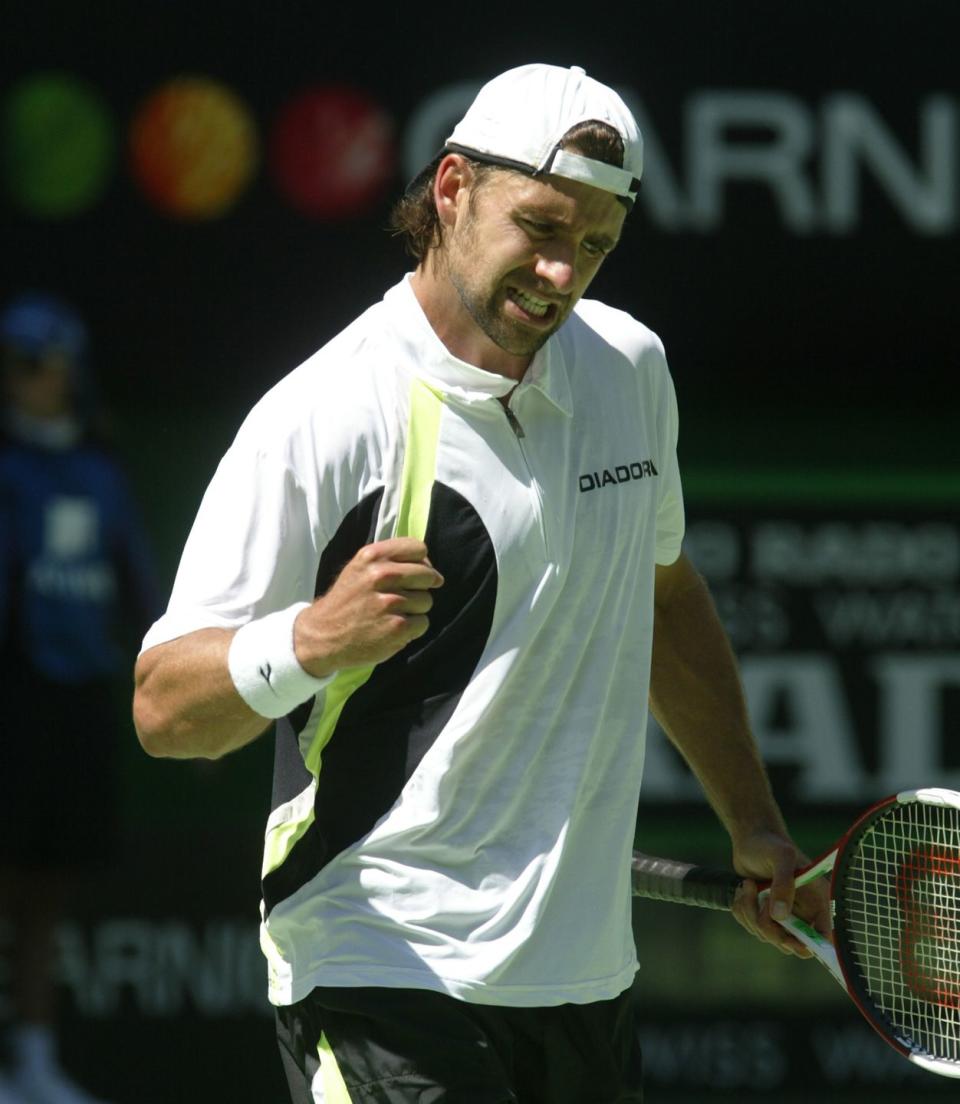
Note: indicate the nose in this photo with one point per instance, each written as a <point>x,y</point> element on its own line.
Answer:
<point>556,269</point>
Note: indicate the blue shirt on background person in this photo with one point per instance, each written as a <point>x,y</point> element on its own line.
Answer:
<point>75,568</point>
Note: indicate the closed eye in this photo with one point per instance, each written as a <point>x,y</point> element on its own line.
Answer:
<point>596,248</point>
<point>540,229</point>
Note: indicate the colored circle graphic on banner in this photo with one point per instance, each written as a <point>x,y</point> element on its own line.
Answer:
<point>57,145</point>
<point>193,148</point>
<point>332,152</point>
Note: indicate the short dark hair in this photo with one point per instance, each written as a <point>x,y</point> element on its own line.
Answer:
<point>414,216</point>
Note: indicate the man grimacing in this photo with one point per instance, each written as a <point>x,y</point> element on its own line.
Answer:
<point>399,562</point>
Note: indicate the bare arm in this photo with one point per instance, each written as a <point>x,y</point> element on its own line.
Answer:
<point>185,703</point>
<point>696,696</point>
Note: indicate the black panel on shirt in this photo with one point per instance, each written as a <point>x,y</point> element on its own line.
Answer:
<point>359,527</point>
<point>391,721</point>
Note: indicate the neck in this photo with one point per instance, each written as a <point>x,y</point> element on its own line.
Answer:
<point>455,326</point>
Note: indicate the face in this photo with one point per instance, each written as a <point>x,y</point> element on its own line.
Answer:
<point>38,385</point>
<point>522,251</point>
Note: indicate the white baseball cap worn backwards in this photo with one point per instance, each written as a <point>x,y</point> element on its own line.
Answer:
<point>519,118</point>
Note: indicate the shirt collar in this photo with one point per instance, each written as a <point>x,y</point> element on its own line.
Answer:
<point>437,366</point>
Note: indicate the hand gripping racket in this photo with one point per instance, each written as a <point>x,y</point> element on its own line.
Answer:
<point>895,899</point>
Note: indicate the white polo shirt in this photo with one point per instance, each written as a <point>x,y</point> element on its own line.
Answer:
<point>461,817</point>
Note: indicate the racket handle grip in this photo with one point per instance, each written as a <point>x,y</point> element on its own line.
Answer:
<point>683,883</point>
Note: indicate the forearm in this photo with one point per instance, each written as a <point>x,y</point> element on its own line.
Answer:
<point>185,704</point>
<point>212,691</point>
<point>697,697</point>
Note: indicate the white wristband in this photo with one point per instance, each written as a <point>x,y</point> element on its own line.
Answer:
<point>264,666</point>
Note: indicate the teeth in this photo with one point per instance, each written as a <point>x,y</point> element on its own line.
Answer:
<point>530,303</point>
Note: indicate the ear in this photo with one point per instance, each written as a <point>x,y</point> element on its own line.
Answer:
<point>451,186</point>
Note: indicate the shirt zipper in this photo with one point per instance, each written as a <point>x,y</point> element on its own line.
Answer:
<point>517,428</point>
<point>514,422</point>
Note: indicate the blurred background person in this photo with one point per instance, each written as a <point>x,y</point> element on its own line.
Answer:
<point>77,587</point>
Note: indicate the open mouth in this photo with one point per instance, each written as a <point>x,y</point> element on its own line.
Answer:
<point>530,307</point>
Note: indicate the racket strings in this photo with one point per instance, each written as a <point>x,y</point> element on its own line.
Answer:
<point>901,906</point>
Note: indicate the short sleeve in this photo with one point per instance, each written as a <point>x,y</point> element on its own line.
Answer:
<point>252,548</point>
<point>670,513</point>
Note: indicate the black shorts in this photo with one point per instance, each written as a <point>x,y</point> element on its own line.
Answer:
<point>58,794</point>
<point>413,1046</point>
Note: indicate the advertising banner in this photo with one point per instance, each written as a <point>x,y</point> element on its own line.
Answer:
<point>847,626</point>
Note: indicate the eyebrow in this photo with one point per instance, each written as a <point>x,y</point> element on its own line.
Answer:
<point>603,241</point>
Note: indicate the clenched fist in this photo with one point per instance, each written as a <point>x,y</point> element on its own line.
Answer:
<point>377,605</point>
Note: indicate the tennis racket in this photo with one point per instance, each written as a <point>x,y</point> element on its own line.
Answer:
<point>895,900</point>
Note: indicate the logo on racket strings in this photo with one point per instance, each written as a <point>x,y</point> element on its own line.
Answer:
<point>928,892</point>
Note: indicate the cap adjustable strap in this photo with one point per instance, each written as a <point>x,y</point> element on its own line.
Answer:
<point>598,173</point>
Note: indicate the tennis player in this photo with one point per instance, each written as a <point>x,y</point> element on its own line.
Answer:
<point>445,556</point>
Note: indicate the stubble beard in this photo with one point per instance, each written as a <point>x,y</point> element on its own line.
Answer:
<point>487,313</point>
<point>487,310</point>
